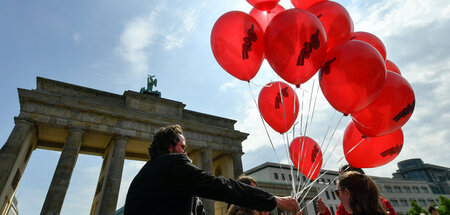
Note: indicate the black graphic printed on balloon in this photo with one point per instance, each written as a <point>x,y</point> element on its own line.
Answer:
<point>407,110</point>
<point>326,68</point>
<point>285,93</point>
<point>308,47</point>
<point>392,151</point>
<point>320,15</point>
<point>247,45</point>
<point>314,153</point>
<point>352,38</point>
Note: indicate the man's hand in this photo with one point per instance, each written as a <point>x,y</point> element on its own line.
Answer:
<point>321,207</point>
<point>287,203</point>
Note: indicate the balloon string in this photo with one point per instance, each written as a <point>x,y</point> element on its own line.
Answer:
<point>261,85</point>
<point>334,148</point>
<point>265,127</point>
<point>312,116</point>
<point>315,197</point>
<point>303,154</point>
<point>315,166</point>
<point>354,120</point>
<point>312,200</point>
<point>326,161</point>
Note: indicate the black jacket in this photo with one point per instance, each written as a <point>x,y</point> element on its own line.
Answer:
<point>167,183</point>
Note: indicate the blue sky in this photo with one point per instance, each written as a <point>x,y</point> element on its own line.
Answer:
<point>112,45</point>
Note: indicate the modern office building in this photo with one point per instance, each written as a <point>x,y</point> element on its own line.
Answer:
<point>277,179</point>
<point>437,177</point>
<point>401,192</point>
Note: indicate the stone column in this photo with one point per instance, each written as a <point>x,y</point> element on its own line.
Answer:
<point>207,165</point>
<point>13,158</point>
<point>237,164</point>
<point>111,176</point>
<point>61,179</point>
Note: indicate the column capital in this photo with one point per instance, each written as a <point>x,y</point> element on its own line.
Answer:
<point>77,130</point>
<point>120,137</point>
<point>22,120</point>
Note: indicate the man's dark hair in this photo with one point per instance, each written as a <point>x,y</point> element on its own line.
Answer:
<point>431,208</point>
<point>246,179</point>
<point>348,167</point>
<point>165,137</point>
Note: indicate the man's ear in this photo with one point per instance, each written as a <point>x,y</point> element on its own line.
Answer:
<point>171,149</point>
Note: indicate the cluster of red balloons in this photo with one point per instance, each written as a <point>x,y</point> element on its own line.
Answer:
<point>354,74</point>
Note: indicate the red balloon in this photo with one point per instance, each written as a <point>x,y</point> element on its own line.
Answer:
<point>237,42</point>
<point>335,19</point>
<point>295,45</point>
<point>390,110</point>
<point>264,17</point>
<point>305,4</point>
<point>352,76</point>
<point>372,40</point>
<point>271,100</point>
<point>264,5</point>
<point>306,155</point>
<point>371,151</point>
<point>390,66</point>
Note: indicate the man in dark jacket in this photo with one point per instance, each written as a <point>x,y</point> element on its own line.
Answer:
<point>168,183</point>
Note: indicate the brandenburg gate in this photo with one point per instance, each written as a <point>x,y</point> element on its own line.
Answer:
<point>75,119</point>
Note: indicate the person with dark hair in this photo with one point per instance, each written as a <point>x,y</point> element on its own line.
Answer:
<point>348,167</point>
<point>433,210</point>
<point>323,209</point>
<point>237,210</point>
<point>359,194</point>
<point>168,183</point>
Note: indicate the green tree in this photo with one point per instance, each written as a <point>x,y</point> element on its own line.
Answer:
<point>444,206</point>
<point>416,209</point>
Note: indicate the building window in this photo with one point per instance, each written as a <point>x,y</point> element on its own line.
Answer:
<point>334,197</point>
<point>304,178</point>
<point>328,195</point>
<point>422,202</point>
<point>398,189</point>
<point>403,202</point>
<point>435,189</point>
<point>388,189</point>
<point>430,201</point>
<point>290,177</point>
<point>394,202</point>
<point>416,189</point>
<point>275,175</point>
<point>332,209</point>
<point>424,189</point>
<point>407,189</point>
<point>329,181</point>
<point>282,177</point>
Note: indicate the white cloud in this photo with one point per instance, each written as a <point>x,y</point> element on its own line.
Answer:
<point>138,35</point>
<point>76,38</point>
<point>393,17</point>
<point>163,25</point>
<point>184,24</point>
